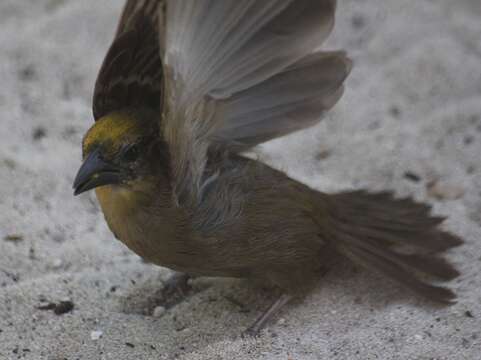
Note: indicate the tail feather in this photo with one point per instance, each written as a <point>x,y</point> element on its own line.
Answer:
<point>401,275</point>
<point>426,264</point>
<point>397,237</point>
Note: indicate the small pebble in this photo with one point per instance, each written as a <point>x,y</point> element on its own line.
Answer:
<point>444,191</point>
<point>13,238</point>
<point>409,175</point>
<point>158,311</point>
<point>63,307</point>
<point>56,264</point>
<point>95,335</point>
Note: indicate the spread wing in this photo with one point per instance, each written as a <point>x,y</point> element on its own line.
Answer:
<point>131,74</point>
<point>239,73</point>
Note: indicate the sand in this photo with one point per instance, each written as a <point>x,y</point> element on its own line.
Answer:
<point>410,122</point>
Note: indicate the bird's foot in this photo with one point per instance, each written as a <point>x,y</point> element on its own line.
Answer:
<point>260,323</point>
<point>176,289</point>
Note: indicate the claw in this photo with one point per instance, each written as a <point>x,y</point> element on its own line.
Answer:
<point>260,323</point>
<point>175,290</point>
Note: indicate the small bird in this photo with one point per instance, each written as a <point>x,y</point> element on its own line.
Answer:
<point>185,89</point>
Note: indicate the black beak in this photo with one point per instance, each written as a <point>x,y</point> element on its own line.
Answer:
<point>95,172</point>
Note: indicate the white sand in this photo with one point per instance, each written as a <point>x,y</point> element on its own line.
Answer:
<point>413,104</point>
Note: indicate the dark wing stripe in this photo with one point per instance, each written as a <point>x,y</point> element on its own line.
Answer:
<point>132,8</point>
<point>131,74</point>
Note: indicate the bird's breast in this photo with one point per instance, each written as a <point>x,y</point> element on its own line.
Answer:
<point>148,227</point>
<point>118,205</point>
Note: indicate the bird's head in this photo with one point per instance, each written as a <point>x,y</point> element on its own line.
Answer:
<point>119,149</point>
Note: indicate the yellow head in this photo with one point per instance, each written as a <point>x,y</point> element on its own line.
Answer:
<point>118,149</point>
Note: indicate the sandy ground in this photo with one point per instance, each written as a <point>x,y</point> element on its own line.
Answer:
<point>410,121</point>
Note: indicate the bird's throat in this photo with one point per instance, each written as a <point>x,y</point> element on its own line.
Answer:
<point>119,204</point>
<point>143,218</point>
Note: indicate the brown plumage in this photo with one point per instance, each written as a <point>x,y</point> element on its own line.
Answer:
<point>164,153</point>
<point>131,73</point>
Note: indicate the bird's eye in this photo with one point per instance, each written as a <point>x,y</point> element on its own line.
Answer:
<point>131,153</point>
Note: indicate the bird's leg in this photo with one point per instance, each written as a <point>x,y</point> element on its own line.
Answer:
<point>262,320</point>
<point>176,288</point>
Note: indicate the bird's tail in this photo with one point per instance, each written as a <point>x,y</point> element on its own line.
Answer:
<point>397,237</point>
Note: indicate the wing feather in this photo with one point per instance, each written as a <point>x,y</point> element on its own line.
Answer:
<point>131,74</point>
<point>239,73</point>
<point>292,100</point>
<point>221,47</point>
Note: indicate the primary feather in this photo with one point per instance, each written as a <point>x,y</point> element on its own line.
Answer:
<point>239,73</point>
<point>291,100</point>
<point>131,74</point>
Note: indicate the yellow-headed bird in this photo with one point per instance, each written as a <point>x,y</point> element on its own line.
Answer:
<point>189,85</point>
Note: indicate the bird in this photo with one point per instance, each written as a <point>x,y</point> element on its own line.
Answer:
<point>186,89</point>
